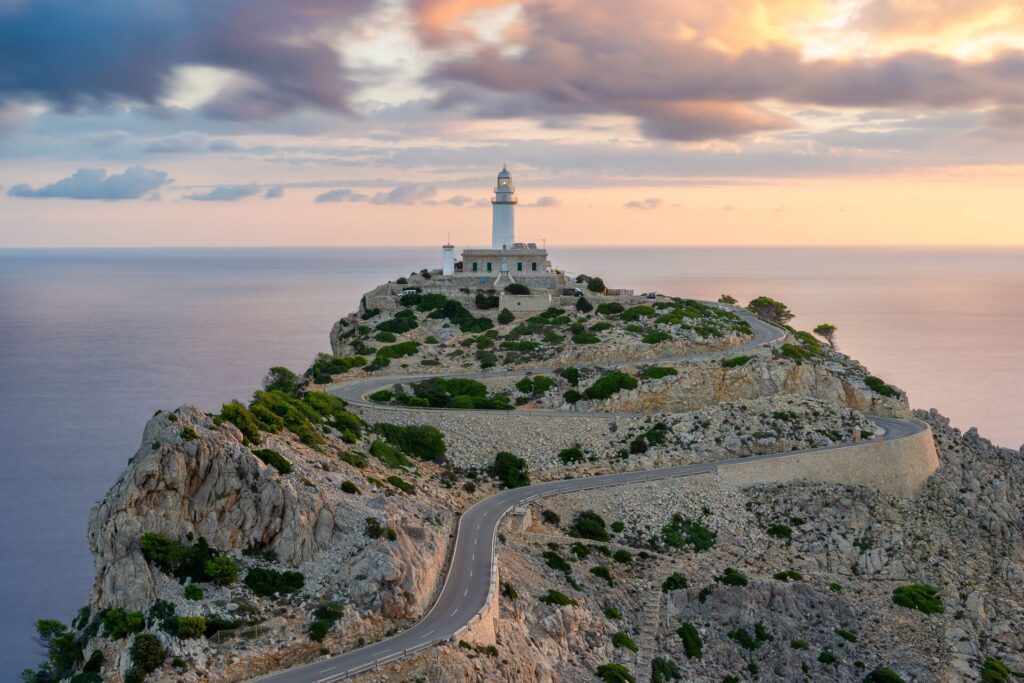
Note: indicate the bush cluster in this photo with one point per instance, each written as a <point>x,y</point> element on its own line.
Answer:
<point>921,597</point>
<point>553,597</point>
<point>274,459</point>
<point>610,384</point>
<point>683,531</point>
<point>269,582</point>
<point>590,525</point>
<point>198,561</point>
<point>692,644</point>
<point>510,470</point>
<point>420,441</point>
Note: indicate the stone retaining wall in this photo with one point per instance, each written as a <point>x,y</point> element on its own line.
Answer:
<point>899,467</point>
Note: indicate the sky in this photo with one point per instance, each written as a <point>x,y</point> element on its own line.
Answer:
<point>361,122</point>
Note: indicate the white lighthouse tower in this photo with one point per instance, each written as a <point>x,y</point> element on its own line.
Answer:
<point>503,223</point>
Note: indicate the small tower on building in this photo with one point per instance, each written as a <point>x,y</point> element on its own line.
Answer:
<point>448,259</point>
<point>503,222</point>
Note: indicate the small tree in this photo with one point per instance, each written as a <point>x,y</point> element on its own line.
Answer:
<point>726,299</point>
<point>147,653</point>
<point>770,310</point>
<point>222,570</point>
<point>510,470</point>
<point>584,306</point>
<point>827,331</point>
<point>596,284</point>
<point>281,379</point>
<point>505,317</point>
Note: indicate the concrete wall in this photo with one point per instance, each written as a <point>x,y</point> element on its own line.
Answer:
<point>899,467</point>
<point>527,303</point>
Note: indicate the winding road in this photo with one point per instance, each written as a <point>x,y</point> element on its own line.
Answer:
<point>467,586</point>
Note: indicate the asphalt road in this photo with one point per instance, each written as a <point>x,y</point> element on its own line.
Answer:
<point>466,587</point>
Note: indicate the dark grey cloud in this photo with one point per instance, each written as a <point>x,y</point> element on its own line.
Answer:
<point>77,53</point>
<point>274,192</point>
<point>648,204</point>
<point>341,195</point>
<point>589,58</point>
<point>94,183</point>
<point>225,193</point>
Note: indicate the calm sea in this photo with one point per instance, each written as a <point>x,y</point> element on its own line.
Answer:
<point>92,342</point>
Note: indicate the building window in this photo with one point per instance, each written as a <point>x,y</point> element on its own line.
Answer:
<point>534,266</point>
<point>519,265</point>
<point>474,266</point>
<point>488,266</point>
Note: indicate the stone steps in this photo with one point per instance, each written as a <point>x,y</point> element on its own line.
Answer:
<point>647,645</point>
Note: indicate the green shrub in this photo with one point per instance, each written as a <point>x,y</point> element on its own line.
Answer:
<point>583,305</point>
<point>622,639</point>
<point>190,627</point>
<point>557,598</point>
<point>570,455</point>
<point>421,441</point>
<point>622,556</point>
<point>318,630</point>
<point>674,582</point>
<point>585,337</point>
<point>612,613</point>
<point>588,524</point>
<point>269,582</point>
<point>193,592</point>
<point>505,317</point>
<point>281,379</point>
<point>510,470</point>
<point>118,623</point>
<point>683,531</point>
<point>614,673</point>
<point>610,308</point>
<point>557,562</point>
<point>835,587</point>
<point>601,326</point>
<point>788,575</point>
<point>241,417</point>
<point>352,458</point>
<point>638,445</point>
<point>663,670</point>
<point>385,337</point>
<point>610,384</point>
<point>735,362</point>
<point>880,387</point>
<point>762,634</point>
<point>798,644</point>
<point>382,396</point>
<point>486,300</point>
<point>744,639</point>
<point>921,597</point>
<point>732,577</point>
<point>571,375</point>
<point>579,550</point>
<point>389,455</point>
<point>550,517</point>
<point>770,310</point>
<point>827,657</point>
<point>692,644</point>
<point>636,312</point>
<point>794,353</point>
<point>602,572</point>
<point>326,365</point>
<point>995,671</point>
<point>656,337</point>
<point>780,531</point>
<point>222,570</point>
<point>517,288</point>
<point>726,299</point>
<point>883,675</point>
<point>848,636</point>
<point>349,487</point>
<point>274,459</point>
<point>147,653</point>
<point>655,372</point>
<point>401,484</point>
<point>398,325</point>
<point>596,284</point>
<point>572,396</point>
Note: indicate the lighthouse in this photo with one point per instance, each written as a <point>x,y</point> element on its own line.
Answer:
<point>503,220</point>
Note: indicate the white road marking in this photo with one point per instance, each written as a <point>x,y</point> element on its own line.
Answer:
<point>332,668</point>
<point>454,611</point>
<point>465,592</point>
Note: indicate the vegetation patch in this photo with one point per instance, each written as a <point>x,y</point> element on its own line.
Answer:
<point>553,597</point>
<point>269,582</point>
<point>389,455</point>
<point>588,524</point>
<point>663,670</point>
<point>420,441</point>
<point>683,531</point>
<point>656,337</point>
<point>735,362</point>
<point>401,484</point>
<point>614,673</point>
<point>610,384</point>
<point>732,577</point>
<point>510,470</point>
<point>674,582</point>
<point>274,459</point>
<point>657,372</point>
<point>921,597</point>
<point>571,455</point>
<point>692,644</point>
<point>622,639</point>
<point>880,387</point>
<point>602,572</point>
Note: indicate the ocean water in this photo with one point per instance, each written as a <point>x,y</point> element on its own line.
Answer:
<point>93,342</point>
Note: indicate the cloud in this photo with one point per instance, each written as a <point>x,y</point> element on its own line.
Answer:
<point>545,202</point>
<point>341,196</point>
<point>225,193</point>
<point>406,193</point>
<point>572,57</point>
<point>274,192</point>
<point>94,183</point>
<point>283,51</point>
<point>459,200</point>
<point>648,204</point>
